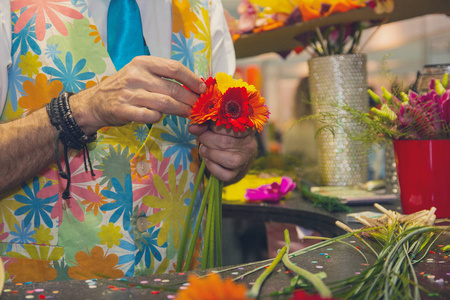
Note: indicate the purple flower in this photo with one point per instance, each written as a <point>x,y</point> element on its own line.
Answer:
<point>444,107</point>
<point>294,17</point>
<point>271,192</point>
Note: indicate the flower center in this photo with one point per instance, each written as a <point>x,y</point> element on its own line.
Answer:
<point>233,109</point>
<point>208,106</point>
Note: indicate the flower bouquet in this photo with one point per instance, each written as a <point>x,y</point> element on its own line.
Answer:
<point>233,104</point>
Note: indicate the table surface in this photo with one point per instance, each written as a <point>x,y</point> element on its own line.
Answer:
<point>337,260</point>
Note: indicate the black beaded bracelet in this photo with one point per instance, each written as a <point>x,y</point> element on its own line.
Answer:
<point>69,133</point>
<point>75,130</point>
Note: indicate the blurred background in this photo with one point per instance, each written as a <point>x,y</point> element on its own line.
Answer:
<point>402,47</point>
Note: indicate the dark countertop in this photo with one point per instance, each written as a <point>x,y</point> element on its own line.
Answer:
<point>299,211</point>
<point>338,261</point>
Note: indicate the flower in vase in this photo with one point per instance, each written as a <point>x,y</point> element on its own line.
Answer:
<point>248,15</point>
<point>381,6</point>
<point>212,287</point>
<point>271,192</point>
<point>313,9</point>
<point>412,116</point>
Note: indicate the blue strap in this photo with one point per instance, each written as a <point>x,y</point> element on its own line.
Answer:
<point>125,37</point>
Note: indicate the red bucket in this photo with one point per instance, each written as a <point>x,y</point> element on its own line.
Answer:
<point>423,168</point>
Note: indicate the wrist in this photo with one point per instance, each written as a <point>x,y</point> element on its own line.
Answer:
<point>84,113</point>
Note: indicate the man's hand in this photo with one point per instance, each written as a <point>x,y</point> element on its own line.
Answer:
<point>228,155</point>
<point>141,91</point>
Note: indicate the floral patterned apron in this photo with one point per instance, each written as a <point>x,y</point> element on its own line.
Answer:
<point>128,219</point>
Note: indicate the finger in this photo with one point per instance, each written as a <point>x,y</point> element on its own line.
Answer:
<point>167,87</point>
<point>172,69</point>
<point>161,103</point>
<point>226,142</point>
<point>137,114</point>
<point>198,129</point>
<point>230,160</point>
<point>230,132</point>
<point>220,172</point>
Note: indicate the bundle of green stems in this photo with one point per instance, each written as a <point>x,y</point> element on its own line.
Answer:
<point>402,241</point>
<point>212,235</point>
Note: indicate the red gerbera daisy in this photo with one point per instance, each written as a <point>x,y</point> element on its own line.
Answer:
<point>234,109</point>
<point>206,106</point>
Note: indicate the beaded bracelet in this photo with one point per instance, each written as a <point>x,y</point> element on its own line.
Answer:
<point>69,133</point>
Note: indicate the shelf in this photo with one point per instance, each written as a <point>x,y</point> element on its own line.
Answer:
<point>283,39</point>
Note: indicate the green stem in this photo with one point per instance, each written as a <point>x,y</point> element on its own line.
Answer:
<point>197,229</point>
<point>414,277</point>
<point>254,292</point>
<point>187,221</point>
<point>212,202</point>
<point>341,38</point>
<point>218,212</point>
<point>356,37</point>
<point>209,225</point>
<point>321,40</point>
<point>206,233</point>
<point>321,288</point>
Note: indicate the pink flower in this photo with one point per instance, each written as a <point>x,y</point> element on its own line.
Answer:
<point>52,11</point>
<point>80,180</point>
<point>4,235</point>
<point>271,192</point>
<point>248,14</point>
<point>147,185</point>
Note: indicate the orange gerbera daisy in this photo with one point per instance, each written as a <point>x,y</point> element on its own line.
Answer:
<point>212,287</point>
<point>259,113</point>
<point>205,108</point>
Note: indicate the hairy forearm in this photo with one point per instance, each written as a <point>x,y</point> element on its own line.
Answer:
<point>26,147</point>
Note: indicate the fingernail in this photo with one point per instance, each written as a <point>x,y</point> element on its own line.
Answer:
<point>202,87</point>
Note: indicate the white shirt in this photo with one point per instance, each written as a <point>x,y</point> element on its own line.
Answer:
<point>156,25</point>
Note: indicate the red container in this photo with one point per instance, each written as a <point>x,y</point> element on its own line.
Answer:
<point>423,168</point>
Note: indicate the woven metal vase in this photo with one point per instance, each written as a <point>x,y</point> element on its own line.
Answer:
<point>390,170</point>
<point>336,81</point>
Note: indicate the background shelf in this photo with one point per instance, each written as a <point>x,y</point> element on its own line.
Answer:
<point>283,39</point>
